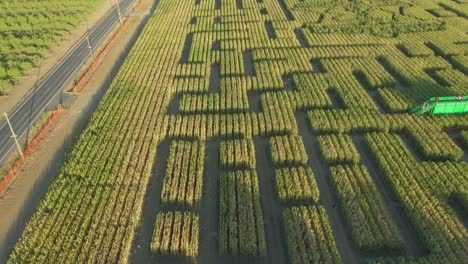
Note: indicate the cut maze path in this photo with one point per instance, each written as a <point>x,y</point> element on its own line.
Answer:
<point>256,74</point>
<point>327,195</point>
<point>272,212</point>
<point>209,212</point>
<point>412,243</point>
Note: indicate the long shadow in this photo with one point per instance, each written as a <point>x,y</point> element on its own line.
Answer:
<point>33,200</point>
<point>327,194</point>
<point>270,30</point>
<point>286,11</point>
<point>173,108</point>
<point>317,66</point>
<point>215,78</point>
<point>43,182</point>
<point>372,92</point>
<point>301,38</point>
<point>454,10</point>
<point>249,66</point>
<point>412,243</point>
<point>151,206</point>
<point>239,4</point>
<point>412,88</point>
<point>289,84</point>
<point>456,138</point>
<point>255,103</point>
<point>456,65</point>
<point>410,145</point>
<point>437,79</point>
<point>187,48</point>
<point>403,50</point>
<point>337,101</point>
<point>209,213</point>
<point>216,46</point>
<point>460,211</point>
<point>272,213</point>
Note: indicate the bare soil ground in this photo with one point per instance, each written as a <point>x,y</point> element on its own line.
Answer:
<point>151,206</point>
<point>327,195</point>
<point>209,214</point>
<point>19,203</point>
<point>26,84</point>
<point>272,211</point>
<point>209,211</point>
<point>412,243</point>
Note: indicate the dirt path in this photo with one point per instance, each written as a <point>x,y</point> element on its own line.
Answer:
<point>301,38</point>
<point>209,213</point>
<point>412,243</point>
<point>26,84</point>
<point>272,211</point>
<point>152,205</point>
<point>327,195</point>
<point>215,79</point>
<point>19,203</point>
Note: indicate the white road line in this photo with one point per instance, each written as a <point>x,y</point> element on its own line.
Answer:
<point>59,66</point>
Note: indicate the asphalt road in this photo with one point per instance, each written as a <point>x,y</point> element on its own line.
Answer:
<point>31,107</point>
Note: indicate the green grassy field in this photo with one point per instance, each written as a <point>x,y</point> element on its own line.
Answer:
<point>271,131</point>
<point>29,29</point>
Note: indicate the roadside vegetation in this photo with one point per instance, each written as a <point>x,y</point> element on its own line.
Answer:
<point>29,29</point>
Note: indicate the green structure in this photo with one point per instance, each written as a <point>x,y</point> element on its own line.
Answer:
<point>447,105</point>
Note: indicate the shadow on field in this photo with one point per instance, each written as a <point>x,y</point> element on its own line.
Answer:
<point>327,194</point>
<point>272,211</point>
<point>141,252</point>
<point>411,88</point>
<point>456,203</point>
<point>43,182</point>
<point>457,139</point>
<point>412,243</point>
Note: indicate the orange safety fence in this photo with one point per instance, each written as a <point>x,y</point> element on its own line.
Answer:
<point>11,174</point>
<point>87,75</point>
<point>80,84</point>
<point>139,6</point>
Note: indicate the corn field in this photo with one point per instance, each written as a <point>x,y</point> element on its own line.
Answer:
<point>271,131</point>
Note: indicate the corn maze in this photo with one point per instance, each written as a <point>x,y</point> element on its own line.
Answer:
<point>271,131</point>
